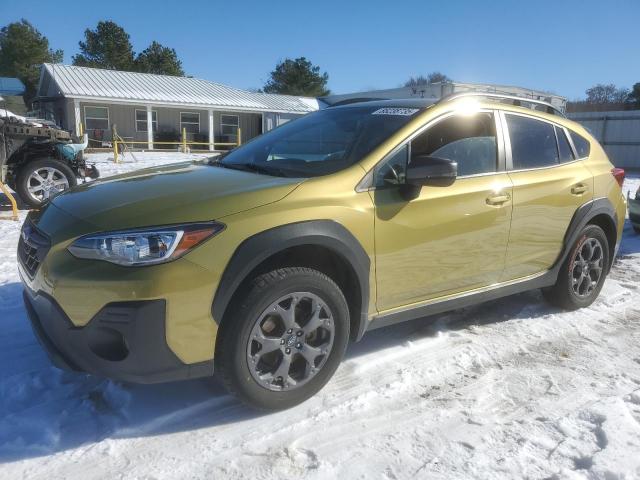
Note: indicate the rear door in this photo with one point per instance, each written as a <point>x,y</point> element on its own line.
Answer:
<point>549,185</point>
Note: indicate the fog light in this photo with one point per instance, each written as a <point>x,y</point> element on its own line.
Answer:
<point>108,344</point>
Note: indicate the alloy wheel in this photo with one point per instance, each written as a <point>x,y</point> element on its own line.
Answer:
<point>46,182</point>
<point>290,341</point>
<point>587,267</point>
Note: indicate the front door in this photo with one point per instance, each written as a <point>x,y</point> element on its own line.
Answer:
<point>449,238</point>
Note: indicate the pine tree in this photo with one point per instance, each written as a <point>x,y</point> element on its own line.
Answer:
<point>297,77</point>
<point>108,46</point>
<point>159,59</point>
<point>22,50</point>
<point>634,96</point>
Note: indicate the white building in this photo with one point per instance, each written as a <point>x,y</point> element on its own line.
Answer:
<point>94,100</point>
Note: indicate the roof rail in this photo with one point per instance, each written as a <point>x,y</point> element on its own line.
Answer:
<point>516,100</point>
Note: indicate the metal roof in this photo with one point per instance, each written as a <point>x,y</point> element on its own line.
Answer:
<point>132,87</point>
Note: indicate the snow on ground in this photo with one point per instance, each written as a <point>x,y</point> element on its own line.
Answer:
<point>508,389</point>
<point>135,160</point>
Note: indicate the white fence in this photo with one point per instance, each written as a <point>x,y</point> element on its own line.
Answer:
<point>617,132</point>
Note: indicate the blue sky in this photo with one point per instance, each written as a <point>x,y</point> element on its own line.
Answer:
<point>563,46</point>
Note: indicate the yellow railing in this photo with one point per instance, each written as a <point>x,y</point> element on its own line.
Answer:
<point>14,205</point>
<point>118,142</point>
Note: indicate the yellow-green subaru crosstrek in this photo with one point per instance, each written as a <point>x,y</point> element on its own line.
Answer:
<point>261,265</point>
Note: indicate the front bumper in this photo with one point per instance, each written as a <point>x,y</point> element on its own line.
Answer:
<point>124,341</point>
<point>82,288</point>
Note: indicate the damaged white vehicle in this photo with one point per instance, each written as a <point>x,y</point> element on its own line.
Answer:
<point>39,160</point>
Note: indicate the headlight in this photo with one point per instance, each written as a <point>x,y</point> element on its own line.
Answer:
<point>144,246</point>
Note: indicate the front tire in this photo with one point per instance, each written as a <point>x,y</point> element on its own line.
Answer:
<point>40,180</point>
<point>284,339</point>
<point>582,274</point>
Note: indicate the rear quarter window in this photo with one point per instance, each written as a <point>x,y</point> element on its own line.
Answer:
<point>583,147</point>
<point>566,154</point>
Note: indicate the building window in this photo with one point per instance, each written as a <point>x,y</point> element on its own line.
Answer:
<point>96,118</point>
<point>190,122</point>
<point>141,121</point>
<point>229,126</point>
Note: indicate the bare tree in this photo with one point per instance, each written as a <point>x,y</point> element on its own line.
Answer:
<point>601,93</point>
<point>433,77</point>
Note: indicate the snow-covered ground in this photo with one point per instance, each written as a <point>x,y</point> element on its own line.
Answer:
<point>508,389</point>
<point>129,161</point>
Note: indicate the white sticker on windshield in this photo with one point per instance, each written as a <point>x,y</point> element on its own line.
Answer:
<point>395,111</point>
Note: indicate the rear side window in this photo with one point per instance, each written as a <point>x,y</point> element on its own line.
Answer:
<point>582,145</point>
<point>533,143</point>
<point>469,140</point>
<point>566,154</point>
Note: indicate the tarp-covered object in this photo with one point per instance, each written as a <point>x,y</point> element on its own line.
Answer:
<point>11,86</point>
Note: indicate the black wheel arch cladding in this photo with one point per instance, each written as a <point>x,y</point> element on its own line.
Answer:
<point>584,215</point>
<point>257,249</point>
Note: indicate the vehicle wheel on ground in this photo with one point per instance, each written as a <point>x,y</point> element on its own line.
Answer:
<point>636,229</point>
<point>284,339</point>
<point>40,180</point>
<point>583,272</point>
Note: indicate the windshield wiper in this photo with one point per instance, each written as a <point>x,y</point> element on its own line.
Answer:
<point>252,167</point>
<point>216,160</point>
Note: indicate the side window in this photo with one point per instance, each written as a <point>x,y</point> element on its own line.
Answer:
<point>141,121</point>
<point>469,140</point>
<point>533,142</point>
<point>566,154</point>
<point>96,118</point>
<point>229,125</point>
<point>583,147</point>
<point>392,171</point>
<point>190,122</point>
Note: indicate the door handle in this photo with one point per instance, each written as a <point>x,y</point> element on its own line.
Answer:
<point>578,189</point>
<point>498,199</point>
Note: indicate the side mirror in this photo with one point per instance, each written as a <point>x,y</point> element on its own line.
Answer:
<point>426,170</point>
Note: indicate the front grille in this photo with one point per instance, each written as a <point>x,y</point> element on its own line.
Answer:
<point>32,248</point>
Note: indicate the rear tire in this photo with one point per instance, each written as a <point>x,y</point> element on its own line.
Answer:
<point>283,339</point>
<point>40,180</point>
<point>582,274</point>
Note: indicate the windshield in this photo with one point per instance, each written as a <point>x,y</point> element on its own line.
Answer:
<point>319,143</point>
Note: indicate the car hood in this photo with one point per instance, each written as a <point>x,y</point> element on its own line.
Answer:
<point>177,193</point>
